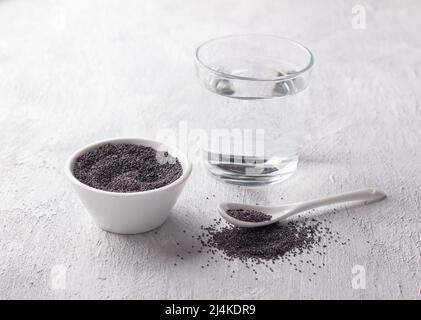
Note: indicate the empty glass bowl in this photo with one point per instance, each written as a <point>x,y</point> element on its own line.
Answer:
<point>260,144</point>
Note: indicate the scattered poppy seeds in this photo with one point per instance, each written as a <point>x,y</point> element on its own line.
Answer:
<point>283,242</point>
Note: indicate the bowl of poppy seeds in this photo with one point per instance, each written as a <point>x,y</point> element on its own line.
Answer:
<point>128,185</point>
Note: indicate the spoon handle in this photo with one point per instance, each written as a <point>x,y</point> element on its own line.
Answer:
<point>370,194</point>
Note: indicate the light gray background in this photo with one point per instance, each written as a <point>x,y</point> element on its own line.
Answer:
<point>72,72</point>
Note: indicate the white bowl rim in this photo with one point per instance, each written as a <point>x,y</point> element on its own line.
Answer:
<point>185,163</point>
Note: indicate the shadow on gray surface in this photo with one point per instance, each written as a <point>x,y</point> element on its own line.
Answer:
<point>173,239</point>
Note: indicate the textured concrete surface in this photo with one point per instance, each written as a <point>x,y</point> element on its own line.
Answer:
<point>72,72</point>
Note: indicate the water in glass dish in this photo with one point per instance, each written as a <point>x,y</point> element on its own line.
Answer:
<point>261,164</point>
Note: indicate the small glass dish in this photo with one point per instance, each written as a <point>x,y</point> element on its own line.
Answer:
<point>261,135</point>
<point>253,66</point>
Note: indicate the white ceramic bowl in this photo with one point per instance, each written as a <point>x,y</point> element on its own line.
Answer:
<point>135,212</point>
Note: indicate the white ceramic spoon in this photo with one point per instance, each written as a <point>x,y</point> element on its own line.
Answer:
<point>287,210</point>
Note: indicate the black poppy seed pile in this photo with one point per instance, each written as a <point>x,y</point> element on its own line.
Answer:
<point>294,242</point>
<point>126,168</point>
<point>248,215</point>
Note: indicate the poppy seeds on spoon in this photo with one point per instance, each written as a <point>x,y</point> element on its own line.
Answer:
<point>248,215</point>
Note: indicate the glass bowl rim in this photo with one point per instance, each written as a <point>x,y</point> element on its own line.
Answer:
<point>231,76</point>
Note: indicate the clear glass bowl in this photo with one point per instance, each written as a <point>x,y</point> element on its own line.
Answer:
<point>253,66</point>
<point>260,142</point>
